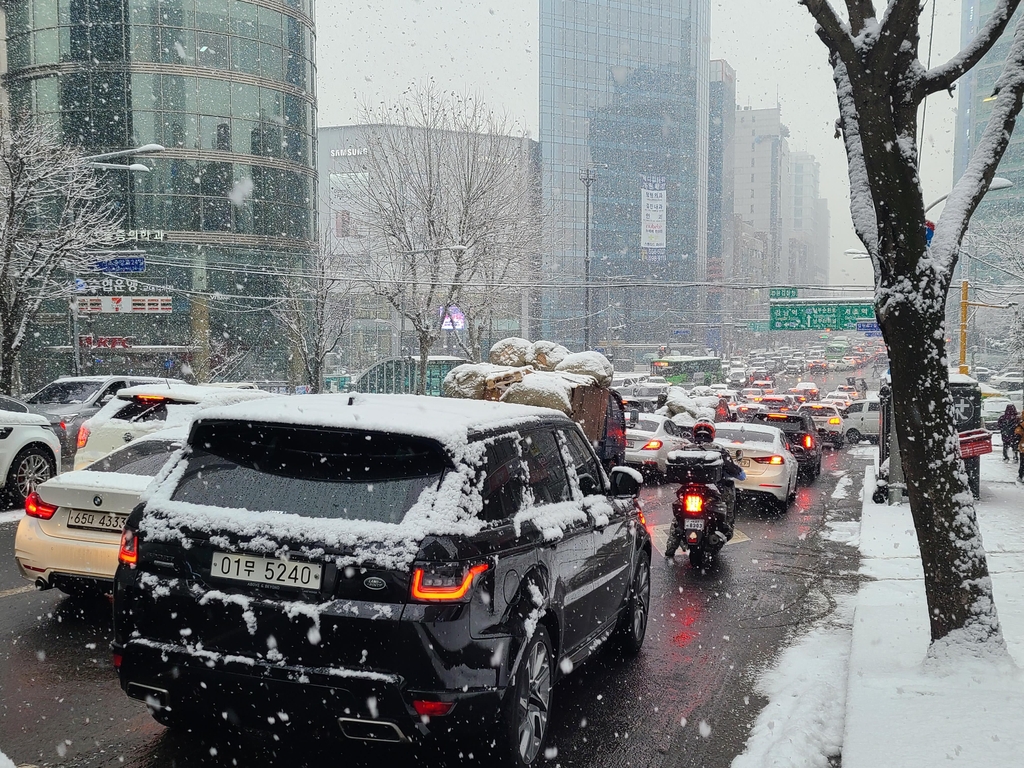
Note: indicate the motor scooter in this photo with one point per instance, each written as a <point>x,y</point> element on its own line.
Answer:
<point>700,508</point>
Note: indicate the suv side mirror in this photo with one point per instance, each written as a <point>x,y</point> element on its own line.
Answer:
<point>626,481</point>
<point>588,485</point>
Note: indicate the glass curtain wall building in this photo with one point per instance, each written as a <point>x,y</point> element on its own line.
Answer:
<point>624,93</point>
<point>228,87</point>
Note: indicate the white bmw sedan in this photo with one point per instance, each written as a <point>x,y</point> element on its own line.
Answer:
<point>763,453</point>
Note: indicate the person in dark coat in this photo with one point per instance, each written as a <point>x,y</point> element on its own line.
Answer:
<point>1007,423</point>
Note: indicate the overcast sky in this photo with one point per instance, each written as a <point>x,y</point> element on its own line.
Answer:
<point>373,50</point>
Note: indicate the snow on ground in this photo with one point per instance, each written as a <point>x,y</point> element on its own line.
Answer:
<point>11,516</point>
<point>842,489</point>
<point>5,761</point>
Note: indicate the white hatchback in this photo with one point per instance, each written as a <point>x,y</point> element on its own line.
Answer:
<point>650,439</point>
<point>145,409</point>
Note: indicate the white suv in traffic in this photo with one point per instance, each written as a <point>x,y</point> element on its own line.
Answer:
<point>29,453</point>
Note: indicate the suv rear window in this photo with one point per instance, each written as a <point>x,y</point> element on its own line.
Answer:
<point>785,423</point>
<point>325,473</point>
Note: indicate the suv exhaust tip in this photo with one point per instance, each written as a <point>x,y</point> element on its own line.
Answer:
<point>371,730</point>
<point>157,698</point>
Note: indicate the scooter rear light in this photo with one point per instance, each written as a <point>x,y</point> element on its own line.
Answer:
<point>693,503</point>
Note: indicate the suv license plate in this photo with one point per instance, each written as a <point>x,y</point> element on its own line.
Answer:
<point>266,570</point>
<point>96,521</point>
<point>693,525</point>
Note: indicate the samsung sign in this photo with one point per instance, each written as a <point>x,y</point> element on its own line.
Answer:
<point>350,152</point>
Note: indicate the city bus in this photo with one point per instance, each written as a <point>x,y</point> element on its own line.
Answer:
<point>837,348</point>
<point>681,369</point>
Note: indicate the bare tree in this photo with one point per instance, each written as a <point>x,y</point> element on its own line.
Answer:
<point>52,213</point>
<point>441,194</point>
<point>315,310</point>
<point>880,83</point>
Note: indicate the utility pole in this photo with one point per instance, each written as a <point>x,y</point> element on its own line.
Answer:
<point>588,177</point>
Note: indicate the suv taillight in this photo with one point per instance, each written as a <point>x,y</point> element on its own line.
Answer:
<point>36,507</point>
<point>436,583</point>
<point>808,441</point>
<point>83,436</point>
<point>129,551</point>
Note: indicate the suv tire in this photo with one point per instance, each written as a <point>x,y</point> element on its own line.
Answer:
<point>853,436</point>
<point>33,465</point>
<point>632,627</point>
<point>528,704</point>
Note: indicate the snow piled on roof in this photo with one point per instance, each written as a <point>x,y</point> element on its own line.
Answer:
<point>194,393</point>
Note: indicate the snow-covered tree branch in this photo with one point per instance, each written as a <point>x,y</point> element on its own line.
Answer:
<point>53,212</point>
<point>880,84</point>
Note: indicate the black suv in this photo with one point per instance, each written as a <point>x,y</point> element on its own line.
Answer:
<point>804,442</point>
<point>380,567</point>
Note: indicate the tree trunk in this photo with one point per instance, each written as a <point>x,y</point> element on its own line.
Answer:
<point>956,578</point>
<point>426,341</point>
<point>8,361</point>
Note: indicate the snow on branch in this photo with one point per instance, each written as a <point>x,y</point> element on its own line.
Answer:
<point>941,78</point>
<point>972,186</point>
<point>832,30</point>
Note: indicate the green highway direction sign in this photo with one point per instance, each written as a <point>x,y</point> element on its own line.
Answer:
<point>819,316</point>
<point>758,326</point>
<point>782,293</point>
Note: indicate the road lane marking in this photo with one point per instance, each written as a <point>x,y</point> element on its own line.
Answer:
<point>16,591</point>
<point>659,537</point>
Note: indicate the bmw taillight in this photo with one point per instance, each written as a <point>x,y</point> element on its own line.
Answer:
<point>436,583</point>
<point>83,435</point>
<point>36,507</point>
<point>652,445</point>
<point>129,551</point>
<point>774,460</point>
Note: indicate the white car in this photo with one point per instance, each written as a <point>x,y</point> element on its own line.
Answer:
<point>29,453</point>
<point>861,420</point>
<point>650,439</point>
<point>763,454</point>
<point>71,531</point>
<point>829,421</point>
<point>142,410</point>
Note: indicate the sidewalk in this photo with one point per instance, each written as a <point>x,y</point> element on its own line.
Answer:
<point>899,714</point>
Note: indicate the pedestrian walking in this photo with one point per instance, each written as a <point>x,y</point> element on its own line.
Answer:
<point>1019,434</point>
<point>1007,423</point>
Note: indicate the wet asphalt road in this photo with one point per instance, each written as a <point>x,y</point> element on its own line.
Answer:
<point>710,634</point>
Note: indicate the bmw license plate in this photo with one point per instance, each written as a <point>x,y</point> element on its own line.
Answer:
<point>266,570</point>
<point>96,521</point>
<point>693,525</point>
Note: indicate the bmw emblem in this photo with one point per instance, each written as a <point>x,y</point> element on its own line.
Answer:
<point>97,500</point>
<point>128,437</point>
<point>375,583</point>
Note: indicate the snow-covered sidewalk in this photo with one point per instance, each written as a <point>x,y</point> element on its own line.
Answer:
<point>899,713</point>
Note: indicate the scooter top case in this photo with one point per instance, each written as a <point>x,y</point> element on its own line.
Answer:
<point>704,467</point>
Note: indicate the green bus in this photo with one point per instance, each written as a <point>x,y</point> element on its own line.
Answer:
<point>400,375</point>
<point>838,348</point>
<point>681,369</point>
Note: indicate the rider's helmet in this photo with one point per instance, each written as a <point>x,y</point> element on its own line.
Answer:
<point>704,431</point>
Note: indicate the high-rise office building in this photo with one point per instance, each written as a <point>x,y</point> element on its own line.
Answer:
<point>228,87</point>
<point>624,95</point>
<point>721,174</point>
<point>974,90</point>
<point>809,225</point>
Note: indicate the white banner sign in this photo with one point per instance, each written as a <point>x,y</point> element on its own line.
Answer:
<point>652,213</point>
<point>122,305</point>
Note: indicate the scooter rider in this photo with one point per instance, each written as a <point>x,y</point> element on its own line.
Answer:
<point>704,440</point>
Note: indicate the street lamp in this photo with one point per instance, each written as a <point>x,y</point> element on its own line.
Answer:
<point>99,161</point>
<point>588,177</point>
<point>997,183</point>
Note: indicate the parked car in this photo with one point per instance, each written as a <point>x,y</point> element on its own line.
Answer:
<point>141,410</point>
<point>862,420</point>
<point>828,420</point>
<point>763,453</point>
<point>73,399</point>
<point>378,566</point>
<point>802,435</point>
<point>650,439</point>
<point>992,408</point>
<point>71,531</point>
<point>29,453</point>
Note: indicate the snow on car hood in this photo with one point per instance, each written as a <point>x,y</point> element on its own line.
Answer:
<point>12,419</point>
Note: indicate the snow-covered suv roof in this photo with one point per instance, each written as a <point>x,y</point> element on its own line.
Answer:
<point>450,421</point>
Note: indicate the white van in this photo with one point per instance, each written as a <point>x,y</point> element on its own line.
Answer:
<point>862,420</point>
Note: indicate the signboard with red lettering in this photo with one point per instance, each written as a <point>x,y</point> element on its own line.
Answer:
<point>119,305</point>
<point>105,342</point>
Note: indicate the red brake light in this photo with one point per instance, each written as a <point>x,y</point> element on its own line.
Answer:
<point>432,708</point>
<point>776,460</point>
<point>83,435</point>
<point>36,507</point>
<point>149,398</point>
<point>129,551</point>
<point>693,503</point>
<point>64,425</point>
<point>117,660</point>
<point>653,445</point>
<point>435,585</point>
<point>808,441</point>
